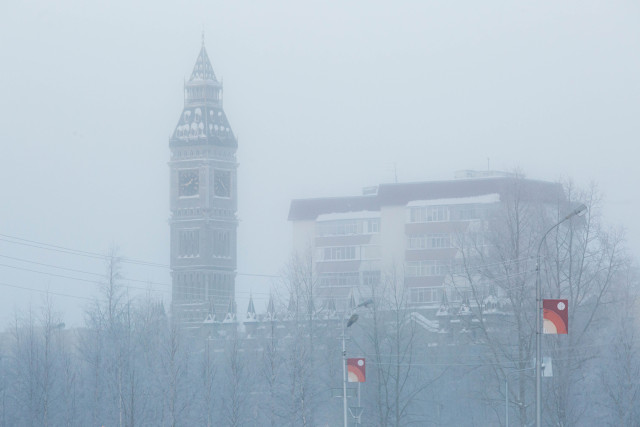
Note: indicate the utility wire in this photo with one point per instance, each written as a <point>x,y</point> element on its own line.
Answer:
<point>45,292</point>
<point>95,255</point>
<point>77,278</point>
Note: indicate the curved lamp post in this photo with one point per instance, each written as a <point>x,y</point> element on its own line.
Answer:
<point>577,211</point>
<point>353,319</point>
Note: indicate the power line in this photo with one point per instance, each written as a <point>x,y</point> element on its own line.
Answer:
<point>95,255</point>
<point>43,291</point>
<point>74,278</point>
<point>257,293</point>
<point>78,252</point>
<point>79,271</point>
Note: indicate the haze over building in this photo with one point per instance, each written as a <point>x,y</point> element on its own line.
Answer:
<point>414,231</point>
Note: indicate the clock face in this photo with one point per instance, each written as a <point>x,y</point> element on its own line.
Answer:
<point>222,183</point>
<point>188,183</point>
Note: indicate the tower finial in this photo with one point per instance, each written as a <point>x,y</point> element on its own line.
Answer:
<point>202,35</point>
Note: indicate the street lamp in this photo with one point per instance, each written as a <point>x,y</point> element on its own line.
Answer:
<point>577,211</point>
<point>353,319</point>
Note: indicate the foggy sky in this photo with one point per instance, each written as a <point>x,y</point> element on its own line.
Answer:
<point>325,98</point>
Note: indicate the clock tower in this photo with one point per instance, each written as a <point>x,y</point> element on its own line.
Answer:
<point>203,201</point>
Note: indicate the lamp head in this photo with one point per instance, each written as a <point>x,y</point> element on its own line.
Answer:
<point>366,303</point>
<point>579,211</point>
<point>353,319</point>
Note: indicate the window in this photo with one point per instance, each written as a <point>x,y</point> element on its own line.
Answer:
<point>427,268</point>
<point>370,278</point>
<point>426,295</point>
<point>437,213</point>
<point>428,213</point>
<point>189,243</point>
<point>348,227</point>
<point>347,279</point>
<point>221,244</point>
<point>373,226</point>
<point>189,287</point>
<point>219,287</point>
<point>337,228</point>
<point>430,241</point>
<point>339,253</point>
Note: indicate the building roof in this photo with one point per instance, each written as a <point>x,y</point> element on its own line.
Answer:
<point>403,193</point>
<point>203,120</point>
<point>203,69</point>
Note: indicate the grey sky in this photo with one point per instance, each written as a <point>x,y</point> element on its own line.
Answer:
<point>325,97</point>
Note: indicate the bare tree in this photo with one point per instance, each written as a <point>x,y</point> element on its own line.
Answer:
<point>621,370</point>
<point>272,367</point>
<point>579,261</point>
<point>175,376</point>
<point>235,393</point>
<point>392,335</point>
<point>301,285</point>
<point>208,375</point>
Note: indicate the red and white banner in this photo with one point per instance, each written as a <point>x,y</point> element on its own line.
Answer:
<point>555,315</point>
<point>356,370</point>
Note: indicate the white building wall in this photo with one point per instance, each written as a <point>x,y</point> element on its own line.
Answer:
<point>392,237</point>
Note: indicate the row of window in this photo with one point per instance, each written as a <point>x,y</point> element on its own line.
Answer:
<point>197,154</point>
<point>430,241</point>
<point>434,295</point>
<point>339,253</point>
<point>445,240</point>
<point>446,213</point>
<point>428,213</point>
<point>202,286</point>
<point>349,279</point>
<point>221,244</point>
<point>426,295</point>
<point>218,212</point>
<point>187,212</point>
<point>348,227</point>
<point>203,93</point>
<point>426,268</point>
<point>347,253</point>
<point>189,243</point>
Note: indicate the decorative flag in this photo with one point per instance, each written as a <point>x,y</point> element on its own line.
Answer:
<point>555,315</point>
<point>356,370</point>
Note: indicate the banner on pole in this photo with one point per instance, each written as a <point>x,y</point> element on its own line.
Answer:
<point>555,315</point>
<point>356,370</point>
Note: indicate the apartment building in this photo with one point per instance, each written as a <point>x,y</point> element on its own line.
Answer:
<point>409,231</point>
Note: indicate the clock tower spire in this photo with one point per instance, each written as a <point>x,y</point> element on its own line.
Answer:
<point>203,200</point>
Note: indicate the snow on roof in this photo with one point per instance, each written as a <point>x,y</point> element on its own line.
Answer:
<point>348,215</point>
<point>485,198</point>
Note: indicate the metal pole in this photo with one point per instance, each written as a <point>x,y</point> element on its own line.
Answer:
<point>578,211</point>
<point>538,338</point>
<point>344,375</point>
<point>359,406</point>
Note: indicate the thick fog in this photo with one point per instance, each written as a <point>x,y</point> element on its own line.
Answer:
<point>325,98</point>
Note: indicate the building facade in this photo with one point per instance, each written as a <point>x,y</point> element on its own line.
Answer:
<point>203,200</point>
<point>412,231</point>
